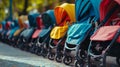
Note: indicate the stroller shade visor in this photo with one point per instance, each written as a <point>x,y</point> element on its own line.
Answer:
<point>21,20</point>
<point>32,19</point>
<point>65,12</point>
<point>105,7</point>
<point>48,18</point>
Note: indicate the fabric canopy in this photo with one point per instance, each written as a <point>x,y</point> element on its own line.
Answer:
<point>65,15</point>
<point>8,25</point>
<point>105,7</point>
<point>60,13</point>
<point>32,19</point>
<point>21,20</point>
<point>48,18</point>
<point>3,24</point>
<point>39,22</point>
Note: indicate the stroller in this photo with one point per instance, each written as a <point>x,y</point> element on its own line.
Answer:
<point>35,35</point>
<point>41,47</point>
<point>44,37</point>
<point>22,27</point>
<point>106,40</point>
<point>87,15</point>
<point>65,16</point>
<point>14,27</point>
<point>25,36</point>
<point>4,30</point>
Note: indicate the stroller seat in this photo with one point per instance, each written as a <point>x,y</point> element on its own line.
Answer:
<point>106,33</point>
<point>39,27</point>
<point>32,22</point>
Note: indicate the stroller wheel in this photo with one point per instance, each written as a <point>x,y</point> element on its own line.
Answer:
<point>81,63</point>
<point>118,60</point>
<point>58,58</point>
<point>67,60</point>
<point>51,56</point>
<point>20,46</point>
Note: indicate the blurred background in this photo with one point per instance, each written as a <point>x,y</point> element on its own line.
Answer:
<point>16,8</point>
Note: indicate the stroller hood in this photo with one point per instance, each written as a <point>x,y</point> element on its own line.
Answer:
<point>21,20</point>
<point>8,25</point>
<point>48,18</point>
<point>86,11</point>
<point>3,24</point>
<point>62,11</point>
<point>65,15</point>
<point>32,19</point>
<point>82,7</point>
<point>39,22</point>
<point>105,7</point>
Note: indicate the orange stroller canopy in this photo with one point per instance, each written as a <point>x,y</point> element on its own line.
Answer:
<point>65,12</point>
<point>21,23</point>
<point>65,16</point>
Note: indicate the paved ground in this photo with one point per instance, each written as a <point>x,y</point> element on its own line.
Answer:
<point>13,57</point>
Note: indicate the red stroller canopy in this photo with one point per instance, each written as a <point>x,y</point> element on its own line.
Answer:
<point>39,22</point>
<point>105,7</point>
<point>8,25</point>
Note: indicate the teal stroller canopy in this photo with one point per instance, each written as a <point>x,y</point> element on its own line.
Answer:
<point>82,7</point>
<point>86,12</point>
<point>48,18</point>
<point>3,24</point>
<point>32,19</point>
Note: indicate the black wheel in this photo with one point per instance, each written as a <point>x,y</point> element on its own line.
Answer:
<point>58,58</point>
<point>51,56</point>
<point>67,60</point>
<point>20,46</point>
<point>44,52</point>
<point>32,49</point>
<point>118,60</point>
<point>81,63</point>
<point>38,50</point>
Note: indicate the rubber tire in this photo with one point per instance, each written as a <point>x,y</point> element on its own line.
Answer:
<point>58,58</point>
<point>65,58</point>
<point>118,60</point>
<point>51,56</point>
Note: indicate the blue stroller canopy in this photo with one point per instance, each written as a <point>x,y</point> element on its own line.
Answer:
<point>86,11</point>
<point>3,24</point>
<point>32,19</point>
<point>83,6</point>
<point>48,18</point>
